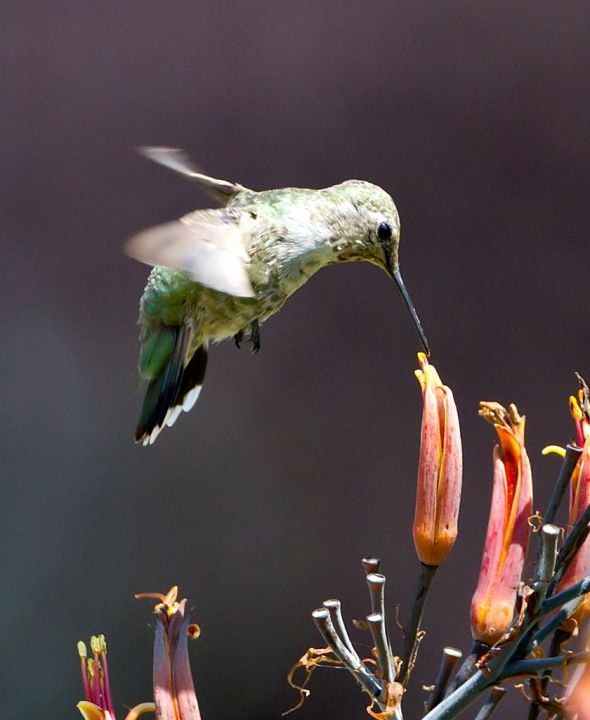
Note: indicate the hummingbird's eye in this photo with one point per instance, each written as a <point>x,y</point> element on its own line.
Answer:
<point>384,231</point>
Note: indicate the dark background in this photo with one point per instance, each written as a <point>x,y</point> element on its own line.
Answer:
<point>295,463</point>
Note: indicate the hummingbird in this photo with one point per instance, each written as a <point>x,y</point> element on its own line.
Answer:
<point>219,273</point>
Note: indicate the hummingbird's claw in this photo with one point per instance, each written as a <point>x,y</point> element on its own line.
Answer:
<point>255,336</point>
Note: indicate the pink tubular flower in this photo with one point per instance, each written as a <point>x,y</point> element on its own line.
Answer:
<point>438,492</point>
<point>492,606</point>
<point>580,410</point>
<point>174,692</point>
<point>580,498</point>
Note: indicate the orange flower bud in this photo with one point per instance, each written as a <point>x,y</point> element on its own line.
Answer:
<point>492,606</point>
<point>438,492</point>
<point>579,500</point>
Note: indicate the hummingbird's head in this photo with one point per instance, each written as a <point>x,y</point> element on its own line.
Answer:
<point>370,232</point>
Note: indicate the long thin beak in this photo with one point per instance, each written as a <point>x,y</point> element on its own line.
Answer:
<point>395,275</point>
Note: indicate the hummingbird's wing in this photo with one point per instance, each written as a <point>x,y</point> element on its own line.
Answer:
<point>178,161</point>
<point>208,244</point>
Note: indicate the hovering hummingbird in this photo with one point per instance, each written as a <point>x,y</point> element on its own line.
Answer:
<point>220,273</point>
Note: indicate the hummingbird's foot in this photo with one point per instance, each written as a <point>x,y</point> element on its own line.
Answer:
<point>238,337</point>
<point>255,336</point>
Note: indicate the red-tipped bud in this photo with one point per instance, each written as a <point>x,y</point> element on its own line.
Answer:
<point>438,492</point>
<point>492,606</point>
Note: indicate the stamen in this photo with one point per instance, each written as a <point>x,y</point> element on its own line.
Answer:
<point>82,652</point>
<point>553,450</point>
<point>140,709</point>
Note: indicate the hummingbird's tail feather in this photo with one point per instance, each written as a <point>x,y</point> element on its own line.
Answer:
<point>175,390</point>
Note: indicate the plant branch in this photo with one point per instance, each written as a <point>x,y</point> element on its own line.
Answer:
<point>411,639</point>
<point>491,703</point>
<point>335,608</point>
<point>449,659</point>
<point>376,624</point>
<point>376,584</point>
<point>573,543</point>
<point>323,622</point>
<point>572,454</point>
<point>575,591</point>
<point>536,665</point>
<point>468,666</point>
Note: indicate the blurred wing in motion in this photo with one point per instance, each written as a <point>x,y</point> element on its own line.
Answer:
<point>208,244</point>
<point>178,161</point>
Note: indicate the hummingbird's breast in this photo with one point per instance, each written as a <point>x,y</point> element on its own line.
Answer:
<point>295,232</point>
<point>292,242</point>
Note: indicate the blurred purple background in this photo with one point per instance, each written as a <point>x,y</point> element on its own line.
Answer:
<point>297,462</point>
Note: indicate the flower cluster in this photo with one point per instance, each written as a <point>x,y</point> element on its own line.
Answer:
<point>514,616</point>
<point>174,692</point>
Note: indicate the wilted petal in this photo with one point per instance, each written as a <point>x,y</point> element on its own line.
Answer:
<point>90,711</point>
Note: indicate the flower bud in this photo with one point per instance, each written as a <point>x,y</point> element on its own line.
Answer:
<point>438,492</point>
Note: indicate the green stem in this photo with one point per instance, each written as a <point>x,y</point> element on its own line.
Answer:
<point>570,593</point>
<point>557,641</point>
<point>449,659</point>
<point>531,667</point>
<point>572,454</point>
<point>411,640</point>
<point>468,666</point>
<point>491,703</point>
<point>459,699</point>
<point>471,689</point>
<point>573,543</point>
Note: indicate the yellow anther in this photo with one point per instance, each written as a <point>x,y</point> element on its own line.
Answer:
<point>95,645</point>
<point>168,602</point>
<point>171,595</point>
<point>82,652</point>
<point>553,449</point>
